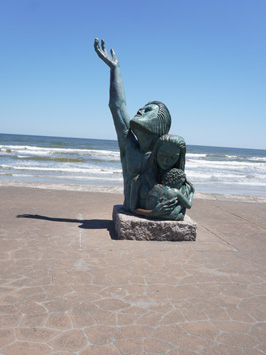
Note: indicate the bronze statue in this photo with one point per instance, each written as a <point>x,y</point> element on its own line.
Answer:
<point>138,140</point>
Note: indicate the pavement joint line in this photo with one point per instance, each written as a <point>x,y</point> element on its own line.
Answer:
<point>236,215</point>
<point>224,241</point>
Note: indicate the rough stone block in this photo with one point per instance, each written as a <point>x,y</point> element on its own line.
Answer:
<point>132,227</point>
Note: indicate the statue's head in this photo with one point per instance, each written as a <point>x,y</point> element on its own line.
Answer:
<point>153,120</point>
<point>174,178</point>
<point>170,152</point>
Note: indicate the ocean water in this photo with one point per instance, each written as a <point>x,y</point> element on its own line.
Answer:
<point>97,162</point>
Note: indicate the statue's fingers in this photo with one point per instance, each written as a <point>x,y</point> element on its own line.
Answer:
<point>103,45</point>
<point>113,54</point>
<point>171,202</point>
<point>96,44</point>
<point>171,205</point>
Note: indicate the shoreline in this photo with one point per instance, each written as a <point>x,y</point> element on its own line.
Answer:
<point>119,190</point>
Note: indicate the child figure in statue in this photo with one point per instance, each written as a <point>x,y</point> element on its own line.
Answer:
<point>174,185</point>
<point>161,191</point>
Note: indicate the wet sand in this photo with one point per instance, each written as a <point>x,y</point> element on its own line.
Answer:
<point>69,286</point>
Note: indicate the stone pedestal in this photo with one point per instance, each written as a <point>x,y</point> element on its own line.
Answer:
<point>132,227</point>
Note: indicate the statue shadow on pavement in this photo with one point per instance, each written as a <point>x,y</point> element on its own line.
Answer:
<point>85,224</point>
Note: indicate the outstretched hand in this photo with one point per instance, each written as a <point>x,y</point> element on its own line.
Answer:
<point>110,60</point>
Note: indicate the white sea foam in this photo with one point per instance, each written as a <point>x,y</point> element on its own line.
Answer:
<point>236,165</point>
<point>91,170</point>
<point>32,150</point>
<point>77,161</point>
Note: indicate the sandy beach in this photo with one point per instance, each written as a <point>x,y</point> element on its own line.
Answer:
<point>68,286</point>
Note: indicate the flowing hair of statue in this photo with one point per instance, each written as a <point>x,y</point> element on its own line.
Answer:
<point>164,119</point>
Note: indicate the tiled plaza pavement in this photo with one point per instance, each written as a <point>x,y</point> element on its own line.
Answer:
<point>68,287</point>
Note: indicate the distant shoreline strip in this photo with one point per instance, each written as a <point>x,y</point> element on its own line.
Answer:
<point>119,190</point>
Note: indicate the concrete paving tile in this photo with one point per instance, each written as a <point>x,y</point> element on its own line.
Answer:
<point>101,350</point>
<point>226,301</point>
<point>8,309</point>
<point>19,282</point>
<point>87,288</point>
<point>70,340</point>
<point>172,317</point>
<point>129,346</point>
<point>42,281</point>
<point>262,307</point>
<point>181,351</point>
<point>62,278</point>
<point>213,287</point>
<point>6,290</point>
<point>60,305</point>
<point>133,331</point>
<point>193,313</point>
<point>221,349</point>
<point>253,302</point>
<point>36,334</point>
<point>84,307</point>
<point>81,277</point>
<point>9,320</point>
<point>135,289</point>
<point>139,302</point>
<point>183,292</point>
<point>26,348</point>
<point>262,347</point>
<point>257,289</point>
<point>59,321</point>
<point>7,336</point>
<point>240,340</point>
<point>252,351</point>
<point>232,326</point>
<point>100,334</point>
<point>58,290</point>
<point>192,342</point>
<point>235,290</point>
<point>33,320</point>
<point>82,296</point>
<point>29,291</point>
<point>104,317</point>
<point>169,333</point>
<point>158,292</point>
<point>126,319</point>
<point>202,329</point>
<point>218,314</point>
<point>113,291</point>
<point>30,307</point>
<point>150,318</point>
<point>162,306</point>
<point>259,331</point>
<point>40,298</point>
<point>156,345</point>
<point>81,320</point>
<point>136,279</point>
<point>112,305</point>
<point>240,314</point>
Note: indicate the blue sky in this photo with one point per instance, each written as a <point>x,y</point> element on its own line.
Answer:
<point>205,59</point>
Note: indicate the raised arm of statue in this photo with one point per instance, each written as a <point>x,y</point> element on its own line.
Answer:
<point>117,101</point>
